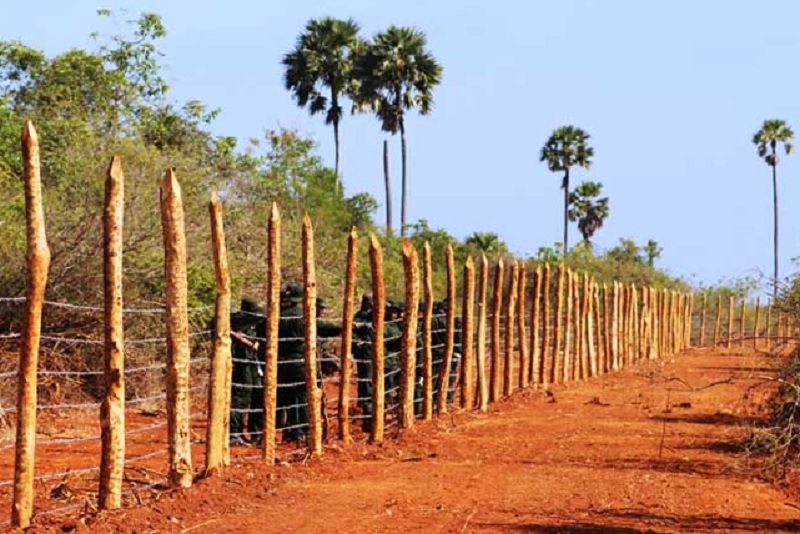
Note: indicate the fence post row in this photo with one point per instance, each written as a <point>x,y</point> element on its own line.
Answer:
<point>592,329</point>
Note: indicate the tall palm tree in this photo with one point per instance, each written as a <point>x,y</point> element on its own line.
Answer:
<point>319,69</point>
<point>567,147</point>
<point>396,73</point>
<point>589,210</point>
<point>772,133</point>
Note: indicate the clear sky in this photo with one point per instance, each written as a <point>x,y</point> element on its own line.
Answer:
<point>670,91</point>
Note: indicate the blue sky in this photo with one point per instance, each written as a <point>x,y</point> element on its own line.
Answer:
<point>671,93</point>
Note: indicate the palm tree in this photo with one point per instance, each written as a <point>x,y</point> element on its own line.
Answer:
<point>396,73</point>
<point>567,147</point>
<point>322,62</point>
<point>652,250</point>
<point>486,242</point>
<point>773,132</point>
<point>587,209</point>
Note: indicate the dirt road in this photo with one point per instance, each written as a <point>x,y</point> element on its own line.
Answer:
<point>645,450</point>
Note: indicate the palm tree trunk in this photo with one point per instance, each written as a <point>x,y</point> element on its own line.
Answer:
<point>405,179</point>
<point>336,142</point>
<point>566,211</point>
<point>388,184</point>
<point>775,205</point>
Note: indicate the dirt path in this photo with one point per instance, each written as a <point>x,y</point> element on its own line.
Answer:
<point>610,456</point>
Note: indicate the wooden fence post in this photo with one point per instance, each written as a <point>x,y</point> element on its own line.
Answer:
<point>606,331</point>
<point>427,322</point>
<point>378,314</point>
<point>467,331</point>
<point>689,323</point>
<point>717,321</point>
<point>536,354</point>
<point>483,385</point>
<point>757,320</point>
<point>568,328</point>
<point>591,356</point>
<point>559,332</point>
<point>37,264</point>
<point>703,320</point>
<point>348,309</point>
<point>742,323</point>
<point>615,326</point>
<point>522,330</point>
<point>272,321</point>
<point>769,326</point>
<point>444,370</point>
<point>218,388</point>
<point>495,378</point>
<point>112,408</point>
<point>177,316</point>
<point>410,321</point>
<point>511,307</point>
<point>577,328</point>
<point>546,354</point>
<point>597,366</point>
<point>313,392</point>
<point>730,323</point>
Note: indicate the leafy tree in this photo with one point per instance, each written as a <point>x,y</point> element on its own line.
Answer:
<point>321,62</point>
<point>626,252</point>
<point>773,133</point>
<point>567,147</point>
<point>488,243</point>
<point>652,250</point>
<point>587,209</point>
<point>396,73</point>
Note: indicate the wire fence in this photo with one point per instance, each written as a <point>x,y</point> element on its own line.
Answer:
<point>70,384</point>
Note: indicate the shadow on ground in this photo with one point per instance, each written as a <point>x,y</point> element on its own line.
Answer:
<point>643,518</point>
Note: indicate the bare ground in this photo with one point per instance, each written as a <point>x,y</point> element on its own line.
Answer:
<point>651,449</point>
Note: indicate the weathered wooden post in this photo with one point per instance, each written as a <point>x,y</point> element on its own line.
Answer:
<point>597,366</point>
<point>559,333</point>
<point>218,387</point>
<point>768,333</point>
<point>272,321</point>
<point>703,320</point>
<point>467,322</point>
<point>742,321</point>
<point>634,335</point>
<point>591,355</point>
<point>427,335</point>
<point>536,352</point>
<point>495,378</point>
<point>348,309</point>
<point>511,308</point>
<point>483,383</point>
<point>615,326</point>
<point>756,325</point>
<point>177,317</point>
<point>577,317</point>
<point>606,330</point>
<point>568,324</point>
<point>444,370</point>
<point>112,408</point>
<point>522,331</point>
<point>546,353</point>
<point>730,322</point>
<point>717,321</point>
<point>313,392</point>
<point>409,353</point>
<point>37,261</point>
<point>378,314</point>
<point>689,324</point>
